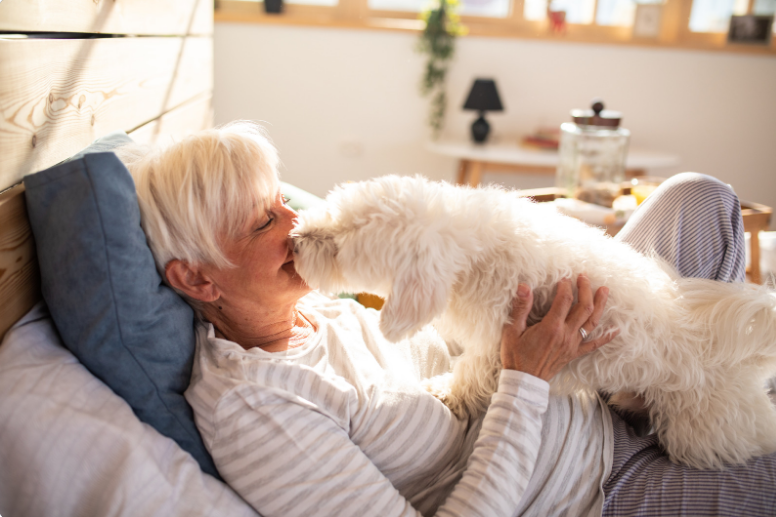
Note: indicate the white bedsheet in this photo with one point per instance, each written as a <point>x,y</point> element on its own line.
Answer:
<point>70,446</point>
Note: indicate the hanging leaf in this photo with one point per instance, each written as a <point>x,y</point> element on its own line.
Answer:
<point>438,42</point>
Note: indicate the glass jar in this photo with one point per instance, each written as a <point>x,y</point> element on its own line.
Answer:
<point>592,155</point>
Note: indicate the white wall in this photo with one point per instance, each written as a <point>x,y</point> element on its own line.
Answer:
<point>345,105</point>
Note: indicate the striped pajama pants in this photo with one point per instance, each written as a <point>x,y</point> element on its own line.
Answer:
<point>694,222</point>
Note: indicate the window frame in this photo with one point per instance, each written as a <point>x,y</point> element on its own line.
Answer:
<point>675,31</point>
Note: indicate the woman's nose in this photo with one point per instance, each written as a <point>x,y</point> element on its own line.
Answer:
<point>288,208</point>
<point>289,215</point>
<point>290,220</point>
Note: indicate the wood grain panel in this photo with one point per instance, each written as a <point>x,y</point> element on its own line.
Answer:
<point>177,123</point>
<point>56,96</point>
<point>19,275</point>
<point>167,17</point>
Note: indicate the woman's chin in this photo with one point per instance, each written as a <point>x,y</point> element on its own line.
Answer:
<point>297,280</point>
<point>289,268</point>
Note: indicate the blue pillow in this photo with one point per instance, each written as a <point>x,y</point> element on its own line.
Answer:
<point>104,144</point>
<point>106,298</point>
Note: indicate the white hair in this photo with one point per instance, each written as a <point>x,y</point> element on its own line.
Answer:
<point>195,192</point>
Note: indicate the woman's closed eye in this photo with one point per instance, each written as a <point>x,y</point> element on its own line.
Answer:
<point>270,215</point>
<point>265,225</point>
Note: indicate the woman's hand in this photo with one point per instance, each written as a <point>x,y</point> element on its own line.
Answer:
<point>542,350</point>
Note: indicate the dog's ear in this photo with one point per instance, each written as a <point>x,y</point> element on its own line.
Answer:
<point>419,292</point>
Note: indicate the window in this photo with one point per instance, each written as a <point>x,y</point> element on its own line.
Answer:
<point>489,8</point>
<point>766,8</point>
<point>604,12</point>
<point>486,8</point>
<point>577,11</point>
<point>615,12</point>
<point>701,24</point>
<point>328,3</point>
<point>620,13</point>
<point>714,15</point>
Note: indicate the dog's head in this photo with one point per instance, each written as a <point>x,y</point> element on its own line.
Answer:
<point>315,249</point>
<point>387,237</point>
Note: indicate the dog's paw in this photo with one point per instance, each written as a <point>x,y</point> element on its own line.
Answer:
<point>441,388</point>
<point>438,386</point>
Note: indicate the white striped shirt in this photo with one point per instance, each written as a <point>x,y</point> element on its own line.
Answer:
<point>340,426</point>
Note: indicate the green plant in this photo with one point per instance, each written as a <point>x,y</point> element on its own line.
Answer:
<point>438,42</point>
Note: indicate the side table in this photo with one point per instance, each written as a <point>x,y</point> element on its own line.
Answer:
<point>756,218</point>
<point>475,159</point>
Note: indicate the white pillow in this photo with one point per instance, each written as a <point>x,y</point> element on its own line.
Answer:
<point>70,446</point>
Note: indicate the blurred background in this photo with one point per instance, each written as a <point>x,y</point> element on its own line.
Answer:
<point>340,95</point>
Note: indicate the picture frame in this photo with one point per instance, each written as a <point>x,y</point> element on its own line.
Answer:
<point>647,21</point>
<point>750,29</point>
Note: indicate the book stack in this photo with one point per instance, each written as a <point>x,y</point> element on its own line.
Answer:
<point>542,138</point>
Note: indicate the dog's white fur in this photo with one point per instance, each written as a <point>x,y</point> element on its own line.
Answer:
<point>698,351</point>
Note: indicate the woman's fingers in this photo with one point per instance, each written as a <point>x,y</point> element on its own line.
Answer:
<point>564,299</point>
<point>521,307</point>
<point>512,332</point>
<point>542,350</point>
<point>584,308</point>
<point>590,346</point>
<point>522,304</point>
<point>601,297</point>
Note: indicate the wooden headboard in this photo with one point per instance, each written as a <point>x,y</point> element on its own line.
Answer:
<point>74,70</point>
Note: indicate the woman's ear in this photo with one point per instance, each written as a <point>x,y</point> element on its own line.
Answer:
<point>191,280</point>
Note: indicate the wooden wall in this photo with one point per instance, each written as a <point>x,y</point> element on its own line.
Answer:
<point>144,17</point>
<point>74,70</point>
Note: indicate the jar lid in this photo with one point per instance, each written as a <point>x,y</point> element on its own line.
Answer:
<point>596,116</point>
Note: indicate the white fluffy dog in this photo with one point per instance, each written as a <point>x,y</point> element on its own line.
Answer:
<point>698,351</point>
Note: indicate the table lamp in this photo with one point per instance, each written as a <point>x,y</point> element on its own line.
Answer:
<point>482,97</point>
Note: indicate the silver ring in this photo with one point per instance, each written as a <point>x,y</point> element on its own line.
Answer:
<point>583,332</point>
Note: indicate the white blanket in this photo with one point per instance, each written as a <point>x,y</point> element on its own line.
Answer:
<point>70,446</point>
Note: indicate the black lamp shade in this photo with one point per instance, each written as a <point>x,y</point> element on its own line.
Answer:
<point>273,6</point>
<point>483,96</point>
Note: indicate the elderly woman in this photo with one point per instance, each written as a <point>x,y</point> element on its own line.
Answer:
<point>308,410</point>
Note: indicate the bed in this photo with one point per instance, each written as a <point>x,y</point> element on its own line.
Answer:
<point>73,72</point>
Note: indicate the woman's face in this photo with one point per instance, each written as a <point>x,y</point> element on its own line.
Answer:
<point>264,271</point>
